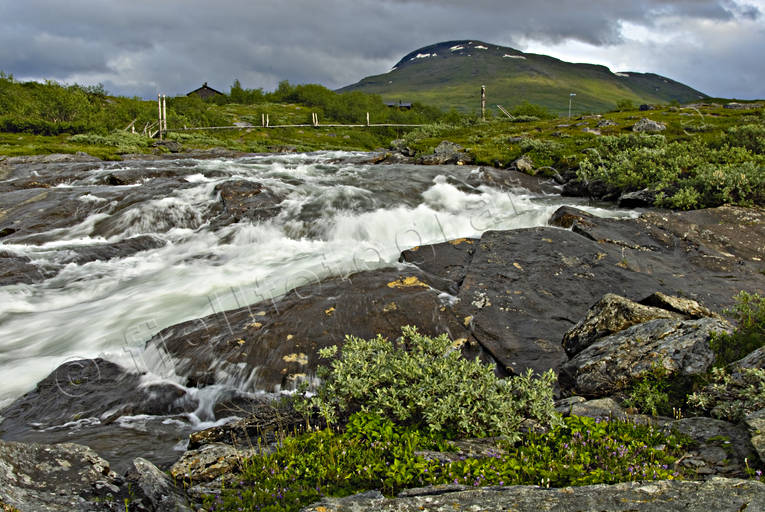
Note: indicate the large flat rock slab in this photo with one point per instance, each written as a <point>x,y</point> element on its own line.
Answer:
<point>273,344</point>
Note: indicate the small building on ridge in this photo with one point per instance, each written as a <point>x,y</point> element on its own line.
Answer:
<point>205,92</point>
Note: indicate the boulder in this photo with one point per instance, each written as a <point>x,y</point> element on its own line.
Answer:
<point>599,408</point>
<point>609,315</point>
<point>15,269</point>
<point>274,344</point>
<point>524,165</point>
<point>605,123</point>
<point>61,477</point>
<point>153,489</point>
<point>679,347</point>
<point>646,125</point>
<point>209,462</point>
<point>447,153</point>
<point>444,265</point>
<point>497,293</point>
<point>718,494</point>
<point>686,307</point>
<point>104,252</point>
<point>169,145</point>
<point>244,200</point>
<point>83,401</point>
<point>637,199</point>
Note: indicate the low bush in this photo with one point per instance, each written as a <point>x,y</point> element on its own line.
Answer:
<point>730,397</point>
<point>125,142</point>
<point>749,315</point>
<point>425,382</point>
<point>375,453</point>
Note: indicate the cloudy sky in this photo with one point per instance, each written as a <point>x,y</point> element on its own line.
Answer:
<point>141,47</point>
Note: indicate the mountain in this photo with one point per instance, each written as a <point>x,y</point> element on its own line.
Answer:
<point>450,74</point>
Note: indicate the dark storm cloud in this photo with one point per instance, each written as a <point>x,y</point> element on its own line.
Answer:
<point>142,47</point>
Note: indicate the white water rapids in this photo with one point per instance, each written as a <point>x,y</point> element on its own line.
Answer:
<point>336,217</point>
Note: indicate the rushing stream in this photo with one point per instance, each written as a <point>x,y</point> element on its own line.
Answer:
<point>333,216</point>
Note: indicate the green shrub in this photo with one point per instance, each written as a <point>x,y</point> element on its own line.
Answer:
<point>731,398</point>
<point>649,395</point>
<point>425,382</point>
<point>375,453</point>
<point>749,315</point>
<point>125,142</point>
<point>531,109</point>
<point>625,104</point>
<point>749,136</point>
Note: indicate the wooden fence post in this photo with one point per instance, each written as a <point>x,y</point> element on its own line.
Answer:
<point>164,111</point>
<point>159,107</point>
<point>483,103</point>
<point>367,118</point>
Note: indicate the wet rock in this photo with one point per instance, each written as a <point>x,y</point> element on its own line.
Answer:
<point>388,157</point>
<point>609,315</point>
<point>244,200</point>
<point>447,153</point>
<point>157,492</point>
<point>565,216</point>
<point>266,418</point>
<point>680,347</point>
<point>646,125</point>
<point>444,265</point>
<point>726,237</point>
<point>637,199</point>
<point>16,269</point>
<point>719,494</point>
<point>122,249</point>
<point>84,401</point>
<point>399,146</point>
<point>48,478</point>
<point>89,388</point>
<point>274,344</point>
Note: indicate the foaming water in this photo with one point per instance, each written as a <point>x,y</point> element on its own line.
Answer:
<point>335,217</point>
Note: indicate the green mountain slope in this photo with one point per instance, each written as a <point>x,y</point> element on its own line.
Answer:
<point>450,74</point>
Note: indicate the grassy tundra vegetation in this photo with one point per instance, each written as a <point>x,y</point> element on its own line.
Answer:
<point>708,155</point>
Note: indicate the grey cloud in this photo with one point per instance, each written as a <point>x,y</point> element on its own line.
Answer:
<point>142,47</point>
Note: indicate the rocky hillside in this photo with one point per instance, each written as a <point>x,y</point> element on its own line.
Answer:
<point>450,74</point>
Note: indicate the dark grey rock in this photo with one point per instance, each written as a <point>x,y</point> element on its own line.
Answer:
<point>157,491</point>
<point>637,199</point>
